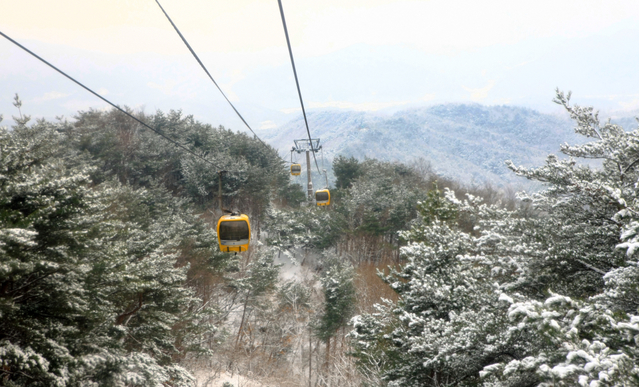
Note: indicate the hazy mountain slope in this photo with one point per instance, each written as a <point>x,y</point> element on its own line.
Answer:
<point>628,119</point>
<point>467,142</point>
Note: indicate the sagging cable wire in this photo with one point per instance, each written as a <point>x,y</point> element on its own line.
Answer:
<point>207,71</point>
<point>177,144</point>
<point>297,83</point>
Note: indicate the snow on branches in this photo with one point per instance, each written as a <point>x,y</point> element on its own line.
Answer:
<point>543,295</point>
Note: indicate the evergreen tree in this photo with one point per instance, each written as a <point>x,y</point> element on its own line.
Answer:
<point>258,280</point>
<point>339,297</point>
<point>307,228</point>
<point>518,300</point>
<point>346,171</point>
<point>436,207</point>
<point>90,290</point>
<point>339,300</point>
<point>139,157</point>
<point>449,322</point>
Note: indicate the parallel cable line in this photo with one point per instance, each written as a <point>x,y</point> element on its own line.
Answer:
<point>297,83</point>
<point>207,71</point>
<point>177,144</point>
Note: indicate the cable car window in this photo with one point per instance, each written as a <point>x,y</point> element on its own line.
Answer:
<point>321,196</point>
<point>234,231</point>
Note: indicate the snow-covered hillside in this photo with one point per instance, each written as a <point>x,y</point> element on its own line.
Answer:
<point>467,142</point>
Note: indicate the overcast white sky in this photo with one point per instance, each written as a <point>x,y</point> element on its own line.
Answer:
<point>354,54</point>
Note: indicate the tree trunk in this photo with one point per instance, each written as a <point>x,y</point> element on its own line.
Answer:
<point>328,352</point>
<point>239,333</point>
<point>310,356</point>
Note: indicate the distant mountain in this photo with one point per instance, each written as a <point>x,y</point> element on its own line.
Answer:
<point>626,119</point>
<point>468,142</point>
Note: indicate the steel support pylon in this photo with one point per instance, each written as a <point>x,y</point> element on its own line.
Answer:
<point>308,174</point>
<point>308,146</point>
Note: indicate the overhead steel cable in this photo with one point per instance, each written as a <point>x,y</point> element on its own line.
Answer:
<point>207,71</point>
<point>297,83</point>
<point>177,144</point>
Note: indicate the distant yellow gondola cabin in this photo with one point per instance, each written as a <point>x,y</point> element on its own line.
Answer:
<point>296,169</point>
<point>234,233</point>
<point>323,197</point>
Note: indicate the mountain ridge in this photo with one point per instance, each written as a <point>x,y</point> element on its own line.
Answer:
<point>467,142</point>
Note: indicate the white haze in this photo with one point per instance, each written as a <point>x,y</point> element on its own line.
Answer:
<point>360,55</point>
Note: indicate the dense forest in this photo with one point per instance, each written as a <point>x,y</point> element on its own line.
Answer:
<point>111,275</point>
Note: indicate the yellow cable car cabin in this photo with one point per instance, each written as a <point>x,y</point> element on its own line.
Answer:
<point>323,197</point>
<point>296,169</point>
<point>234,233</point>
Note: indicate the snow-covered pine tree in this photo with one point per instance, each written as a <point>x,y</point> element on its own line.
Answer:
<point>306,228</point>
<point>339,300</point>
<point>346,171</point>
<point>257,280</point>
<point>449,323</point>
<point>139,157</point>
<point>381,199</point>
<point>89,289</point>
<point>520,300</point>
<point>589,317</point>
<point>43,238</point>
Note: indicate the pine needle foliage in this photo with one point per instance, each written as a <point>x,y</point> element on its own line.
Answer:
<point>521,300</point>
<point>339,297</point>
<point>121,147</point>
<point>94,286</point>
